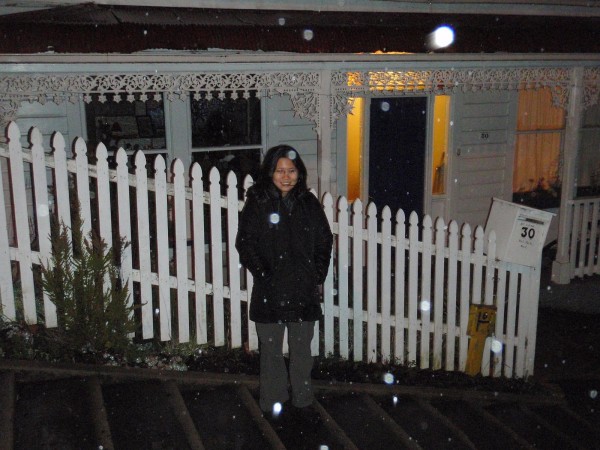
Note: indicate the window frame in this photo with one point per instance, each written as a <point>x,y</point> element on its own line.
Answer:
<point>539,196</point>
<point>262,147</point>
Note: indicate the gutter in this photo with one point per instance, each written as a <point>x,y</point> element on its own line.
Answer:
<point>283,57</point>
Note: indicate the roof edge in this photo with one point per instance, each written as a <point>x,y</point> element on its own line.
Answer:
<point>571,8</point>
<point>283,57</point>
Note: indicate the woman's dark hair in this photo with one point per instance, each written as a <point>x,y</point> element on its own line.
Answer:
<point>269,164</point>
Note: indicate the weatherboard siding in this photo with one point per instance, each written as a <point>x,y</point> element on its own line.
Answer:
<point>484,133</point>
<point>284,127</point>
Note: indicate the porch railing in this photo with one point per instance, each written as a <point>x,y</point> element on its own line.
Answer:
<point>584,239</point>
<point>396,290</point>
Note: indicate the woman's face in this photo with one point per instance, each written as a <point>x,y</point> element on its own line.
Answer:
<point>285,176</point>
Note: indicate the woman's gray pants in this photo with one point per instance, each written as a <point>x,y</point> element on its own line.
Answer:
<point>273,373</point>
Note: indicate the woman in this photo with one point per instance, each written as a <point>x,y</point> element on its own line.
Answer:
<point>284,240</point>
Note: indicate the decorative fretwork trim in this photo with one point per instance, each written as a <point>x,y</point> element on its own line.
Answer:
<point>8,112</point>
<point>591,86</point>
<point>349,84</point>
<point>301,86</point>
<point>304,88</point>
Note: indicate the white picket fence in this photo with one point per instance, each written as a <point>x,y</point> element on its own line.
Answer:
<point>584,240</point>
<point>395,291</point>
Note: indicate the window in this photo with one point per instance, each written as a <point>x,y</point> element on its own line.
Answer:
<point>441,125</point>
<point>227,131</point>
<point>354,139</point>
<point>133,125</point>
<point>538,158</point>
<point>588,178</point>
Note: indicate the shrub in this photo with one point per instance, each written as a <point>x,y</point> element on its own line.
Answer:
<point>83,281</point>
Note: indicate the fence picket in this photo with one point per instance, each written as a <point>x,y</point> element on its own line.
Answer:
<point>438,298</point>
<point>143,235</point>
<point>511,318</point>
<point>478,260</point>
<point>161,214</point>
<point>62,200</point>
<point>498,358</point>
<point>216,243</point>
<point>465,294</point>
<point>490,266</point>
<point>593,240</point>
<point>199,255</point>
<point>17,175</point>
<point>488,298</point>
<point>124,215</point>
<point>386,279</point>
<point>103,195</point>
<point>371,282</point>
<point>451,296</point>
<point>425,304</point>
<point>530,300</point>
<point>357,280</point>
<point>83,186</point>
<point>522,324</point>
<point>234,261</point>
<point>181,252</point>
<point>7,293</point>
<point>400,285</point>
<point>103,198</point>
<point>252,336</point>
<point>413,285</point>
<point>576,236</point>
<point>342,273</point>
<point>583,239</point>
<point>327,290</point>
<point>42,213</point>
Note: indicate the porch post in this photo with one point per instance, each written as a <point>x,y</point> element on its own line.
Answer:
<point>561,266</point>
<point>324,134</point>
<point>178,132</point>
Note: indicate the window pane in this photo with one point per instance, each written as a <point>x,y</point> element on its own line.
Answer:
<point>231,120</point>
<point>441,122</point>
<point>588,164</point>
<point>536,175</point>
<point>536,179</point>
<point>536,111</point>
<point>354,139</point>
<point>131,125</point>
<point>588,179</point>
<point>591,117</point>
<point>241,162</point>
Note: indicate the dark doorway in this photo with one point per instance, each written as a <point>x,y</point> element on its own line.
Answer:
<point>397,153</point>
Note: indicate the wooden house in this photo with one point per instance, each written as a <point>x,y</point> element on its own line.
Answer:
<point>507,108</point>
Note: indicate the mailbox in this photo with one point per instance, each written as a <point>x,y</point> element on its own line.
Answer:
<point>520,231</point>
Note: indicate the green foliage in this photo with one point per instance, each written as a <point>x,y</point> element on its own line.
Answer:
<point>83,281</point>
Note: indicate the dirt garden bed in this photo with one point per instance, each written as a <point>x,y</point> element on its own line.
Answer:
<point>567,345</point>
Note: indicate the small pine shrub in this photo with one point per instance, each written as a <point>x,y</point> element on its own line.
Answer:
<point>83,281</point>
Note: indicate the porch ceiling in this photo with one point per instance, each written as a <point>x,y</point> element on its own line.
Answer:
<point>92,28</point>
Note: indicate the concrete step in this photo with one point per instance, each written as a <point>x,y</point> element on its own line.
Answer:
<point>111,408</point>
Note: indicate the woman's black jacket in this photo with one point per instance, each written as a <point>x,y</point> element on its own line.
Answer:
<point>286,245</point>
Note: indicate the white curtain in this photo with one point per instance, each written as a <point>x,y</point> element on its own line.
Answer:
<point>539,136</point>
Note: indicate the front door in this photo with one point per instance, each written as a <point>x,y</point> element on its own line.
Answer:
<point>397,137</point>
